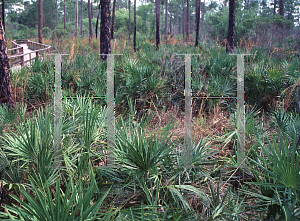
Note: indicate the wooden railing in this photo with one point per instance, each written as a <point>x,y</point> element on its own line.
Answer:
<point>17,50</point>
<point>16,55</point>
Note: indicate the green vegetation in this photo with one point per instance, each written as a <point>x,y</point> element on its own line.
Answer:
<point>149,180</point>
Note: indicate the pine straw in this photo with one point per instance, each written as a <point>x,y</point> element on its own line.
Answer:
<point>208,124</point>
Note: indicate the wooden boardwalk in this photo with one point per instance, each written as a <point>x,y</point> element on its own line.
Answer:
<point>24,52</point>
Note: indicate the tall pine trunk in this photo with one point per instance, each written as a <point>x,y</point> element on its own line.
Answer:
<point>203,11</point>
<point>281,7</point>
<point>81,19</point>
<point>183,23</point>
<point>157,12</point>
<point>129,23</point>
<point>56,10</point>
<point>197,21</point>
<point>113,20</point>
<point>105,29</point>
<point>166,21</point>
<point>92,10</point>
<point>40,21</point>
<point>6,89</point>
<point>187,20</point>
<point>3,14</point>
<point>171,23</point>
<point>97,21</point>
<point>90,23</point>
<point>275,3</point>
<point>76,18</point>
<point>201,26</point>
<point>134,26</point>
<point>231,27</point>
<point>65,16</point>
<point>177,24</point>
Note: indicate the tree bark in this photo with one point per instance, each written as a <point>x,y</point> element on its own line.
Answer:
<point>98,15</point>
<point>92,10</point>
<point>113,20</point>
<point>3,14</point>
<point>200,24</point>
<point>65,16</point>
<point>231,27</point>
<point>6,89</point>
<point>281,7</point>
<point>197,21</point>
<point>90,23</point>
<point>40,21</point>
<point>134,26</point>
<point>166,21</point>
<point>183,23</point>
<point>105,29</point>
<point>129,22</point>
<point>157,11</point>
<point>56,10</point>
<point>81,19</point>
<point>203,11</point>
<point>187,20</point>
<point>76,18</point>
<point>275,3</point>
<point>225,3</point>
<point>171,23</point>
<point>177,24</point>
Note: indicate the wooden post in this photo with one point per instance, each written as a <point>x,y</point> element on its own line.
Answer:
<point>110,109</point>
<point>58,113</point>
<point>188,141</point>
<point>22,61</point>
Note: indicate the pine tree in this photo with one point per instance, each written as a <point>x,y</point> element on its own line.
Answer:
<point>187,20</point>
<point>197,21</point>
<point>157,11</point>
<point>90,23</point>
<point>6,89</point>
<point>113,20</point>
<point>105,28</point>
<point>134,26</point>
<point>40,21</point>
<point>76,18</point>
<point>166,21</point>
<point>281,7</point>
<point>231,27</point>
<point>65,16</point>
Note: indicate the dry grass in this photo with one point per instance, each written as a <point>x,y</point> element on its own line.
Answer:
<point>248,45</point>
<point>212,124</point>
